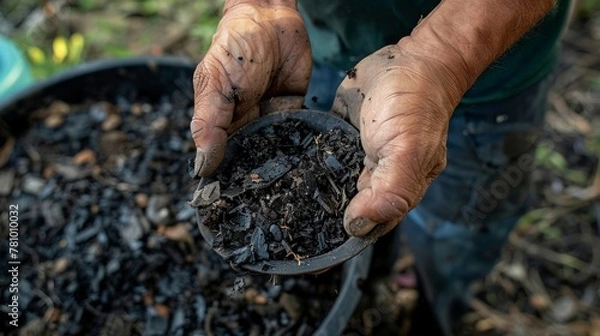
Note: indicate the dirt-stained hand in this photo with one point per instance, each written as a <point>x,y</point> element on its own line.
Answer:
<point>259,54</point>
<point>402,103</point>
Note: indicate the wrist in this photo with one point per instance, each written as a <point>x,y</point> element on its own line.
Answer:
<point>464,37</point>
<point>441,74</point>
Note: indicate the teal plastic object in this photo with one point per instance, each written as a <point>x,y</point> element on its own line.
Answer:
<point>14,69</point>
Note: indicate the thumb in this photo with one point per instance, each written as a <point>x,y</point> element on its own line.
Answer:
<point>382,200</point>
<point>213,113</point>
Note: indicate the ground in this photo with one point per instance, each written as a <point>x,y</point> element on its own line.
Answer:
<point>548,281</point>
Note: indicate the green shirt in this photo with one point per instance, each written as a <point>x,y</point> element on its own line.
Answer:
<point>343,32</point>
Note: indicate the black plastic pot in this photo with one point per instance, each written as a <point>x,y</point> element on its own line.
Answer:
<point>153,77</point>
<point>318,121</point>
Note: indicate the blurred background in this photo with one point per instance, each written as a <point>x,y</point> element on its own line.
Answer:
<point>548,282</point>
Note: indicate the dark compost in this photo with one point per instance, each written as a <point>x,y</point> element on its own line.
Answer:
<point>108,243</point>
<point>284,194</point>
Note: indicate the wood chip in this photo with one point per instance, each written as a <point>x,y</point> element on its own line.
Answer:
<point>111,122</point>
<point>7,180</point>
<point>539,302</point>
<point>59,108</point>
<point>53,315</point>
<point>86,156</point>
<point>60,265</point>
<point>148,297</point>
<point>162,310</point>
<point>6,151</point>
<point>54,121</point>
<point>291,305</point>
<point>179,232</point>
<point>160,124</point>
<point>485,325</point>
<point>136,110</point>
<point>48,172</point>
<point>141,200</point>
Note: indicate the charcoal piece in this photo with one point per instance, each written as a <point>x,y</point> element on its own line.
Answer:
<point>191,162</point>
<point>206,194</point>
<point>98,112</point>
<point>32,185</point>
<point>175,143</point>
<point>156,325</point>
<point>331,162</point>
<point>53,214</point>
<point>132,230</point>
<point>70,172</point>
<point>259,244</point>
<point>113,266</point>
<point>185,214</point>
<point>310,183</point>
<point>200,307</point>
<point>158,209</point>
<point>86,234</point>
<point>242,218</point>
<point>48,190</point>
<point>319,198</point>
<point>177,326</point>
<point>260,177</point>
<point>116,324</point>
<point>241,255</point>
<point>295,138</point>
<point>275,232</point>
<point>270,170</point>
<point>322,242</point>
<point>7,179</point>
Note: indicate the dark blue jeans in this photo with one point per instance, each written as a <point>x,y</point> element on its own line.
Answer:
<point>457,231</point>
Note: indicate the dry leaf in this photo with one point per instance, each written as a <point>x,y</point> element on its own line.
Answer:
<point>6,151</point>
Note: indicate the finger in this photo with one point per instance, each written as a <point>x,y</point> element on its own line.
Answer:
<point>364,180</point>
<point>387,198</point>
<point>213,111</point>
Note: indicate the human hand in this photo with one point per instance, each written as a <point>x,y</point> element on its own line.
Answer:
<point>259,54</point>
<point>402,102</point>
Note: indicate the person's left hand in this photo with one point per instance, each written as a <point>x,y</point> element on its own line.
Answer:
<point>402,102</point>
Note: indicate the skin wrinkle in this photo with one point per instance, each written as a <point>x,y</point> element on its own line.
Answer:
<point>229,90</point>
<point>462,64</point>
<point>386,202</point>
<point>418,76</point>
<point>205,66</point>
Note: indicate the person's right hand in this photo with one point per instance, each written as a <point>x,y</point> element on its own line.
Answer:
<point>260,53</point>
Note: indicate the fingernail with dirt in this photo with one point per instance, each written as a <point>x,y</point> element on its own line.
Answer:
<point>360,226</point>
<point>199,161</point>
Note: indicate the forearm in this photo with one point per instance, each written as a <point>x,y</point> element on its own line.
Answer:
<point>465,37</point>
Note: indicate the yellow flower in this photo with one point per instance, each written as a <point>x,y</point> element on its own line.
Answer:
<point>76,43</point>
<point>59,49</point>
<point>36,55</point>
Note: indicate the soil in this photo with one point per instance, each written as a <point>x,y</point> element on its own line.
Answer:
<point>108,244</point>
<point>284,195</point>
